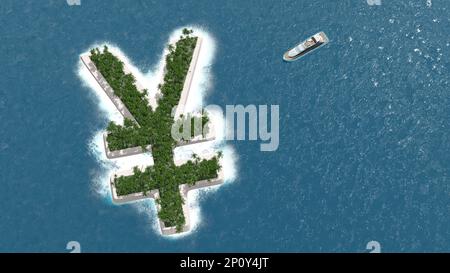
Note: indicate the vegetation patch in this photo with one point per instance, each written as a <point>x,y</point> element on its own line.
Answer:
<point>153,127</point>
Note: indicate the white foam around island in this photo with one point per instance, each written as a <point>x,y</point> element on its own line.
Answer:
<point>202,82</point>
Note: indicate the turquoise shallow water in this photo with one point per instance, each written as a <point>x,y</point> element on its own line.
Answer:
<point>364,139</point>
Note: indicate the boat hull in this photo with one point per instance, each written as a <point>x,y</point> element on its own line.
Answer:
<point>323,41</point>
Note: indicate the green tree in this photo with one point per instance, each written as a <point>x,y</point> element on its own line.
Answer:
<point>152,127</point>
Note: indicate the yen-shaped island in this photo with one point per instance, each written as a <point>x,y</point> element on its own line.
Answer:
<point>149,127</point>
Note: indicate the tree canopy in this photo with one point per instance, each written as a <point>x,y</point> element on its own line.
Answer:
<point>153,127</point>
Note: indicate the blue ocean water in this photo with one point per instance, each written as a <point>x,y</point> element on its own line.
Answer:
<point>364,141</point>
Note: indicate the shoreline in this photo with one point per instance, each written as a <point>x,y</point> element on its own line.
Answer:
<point>181,108</point>
<point>154,194</point>
<point>188,80</point>
<point>86,60</point>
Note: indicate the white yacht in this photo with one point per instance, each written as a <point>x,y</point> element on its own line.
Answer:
<point>310,44</point>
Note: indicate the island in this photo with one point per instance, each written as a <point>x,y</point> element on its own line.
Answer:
<point>147,128</point>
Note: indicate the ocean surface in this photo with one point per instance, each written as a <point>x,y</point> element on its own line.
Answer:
<point>364,148</point>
